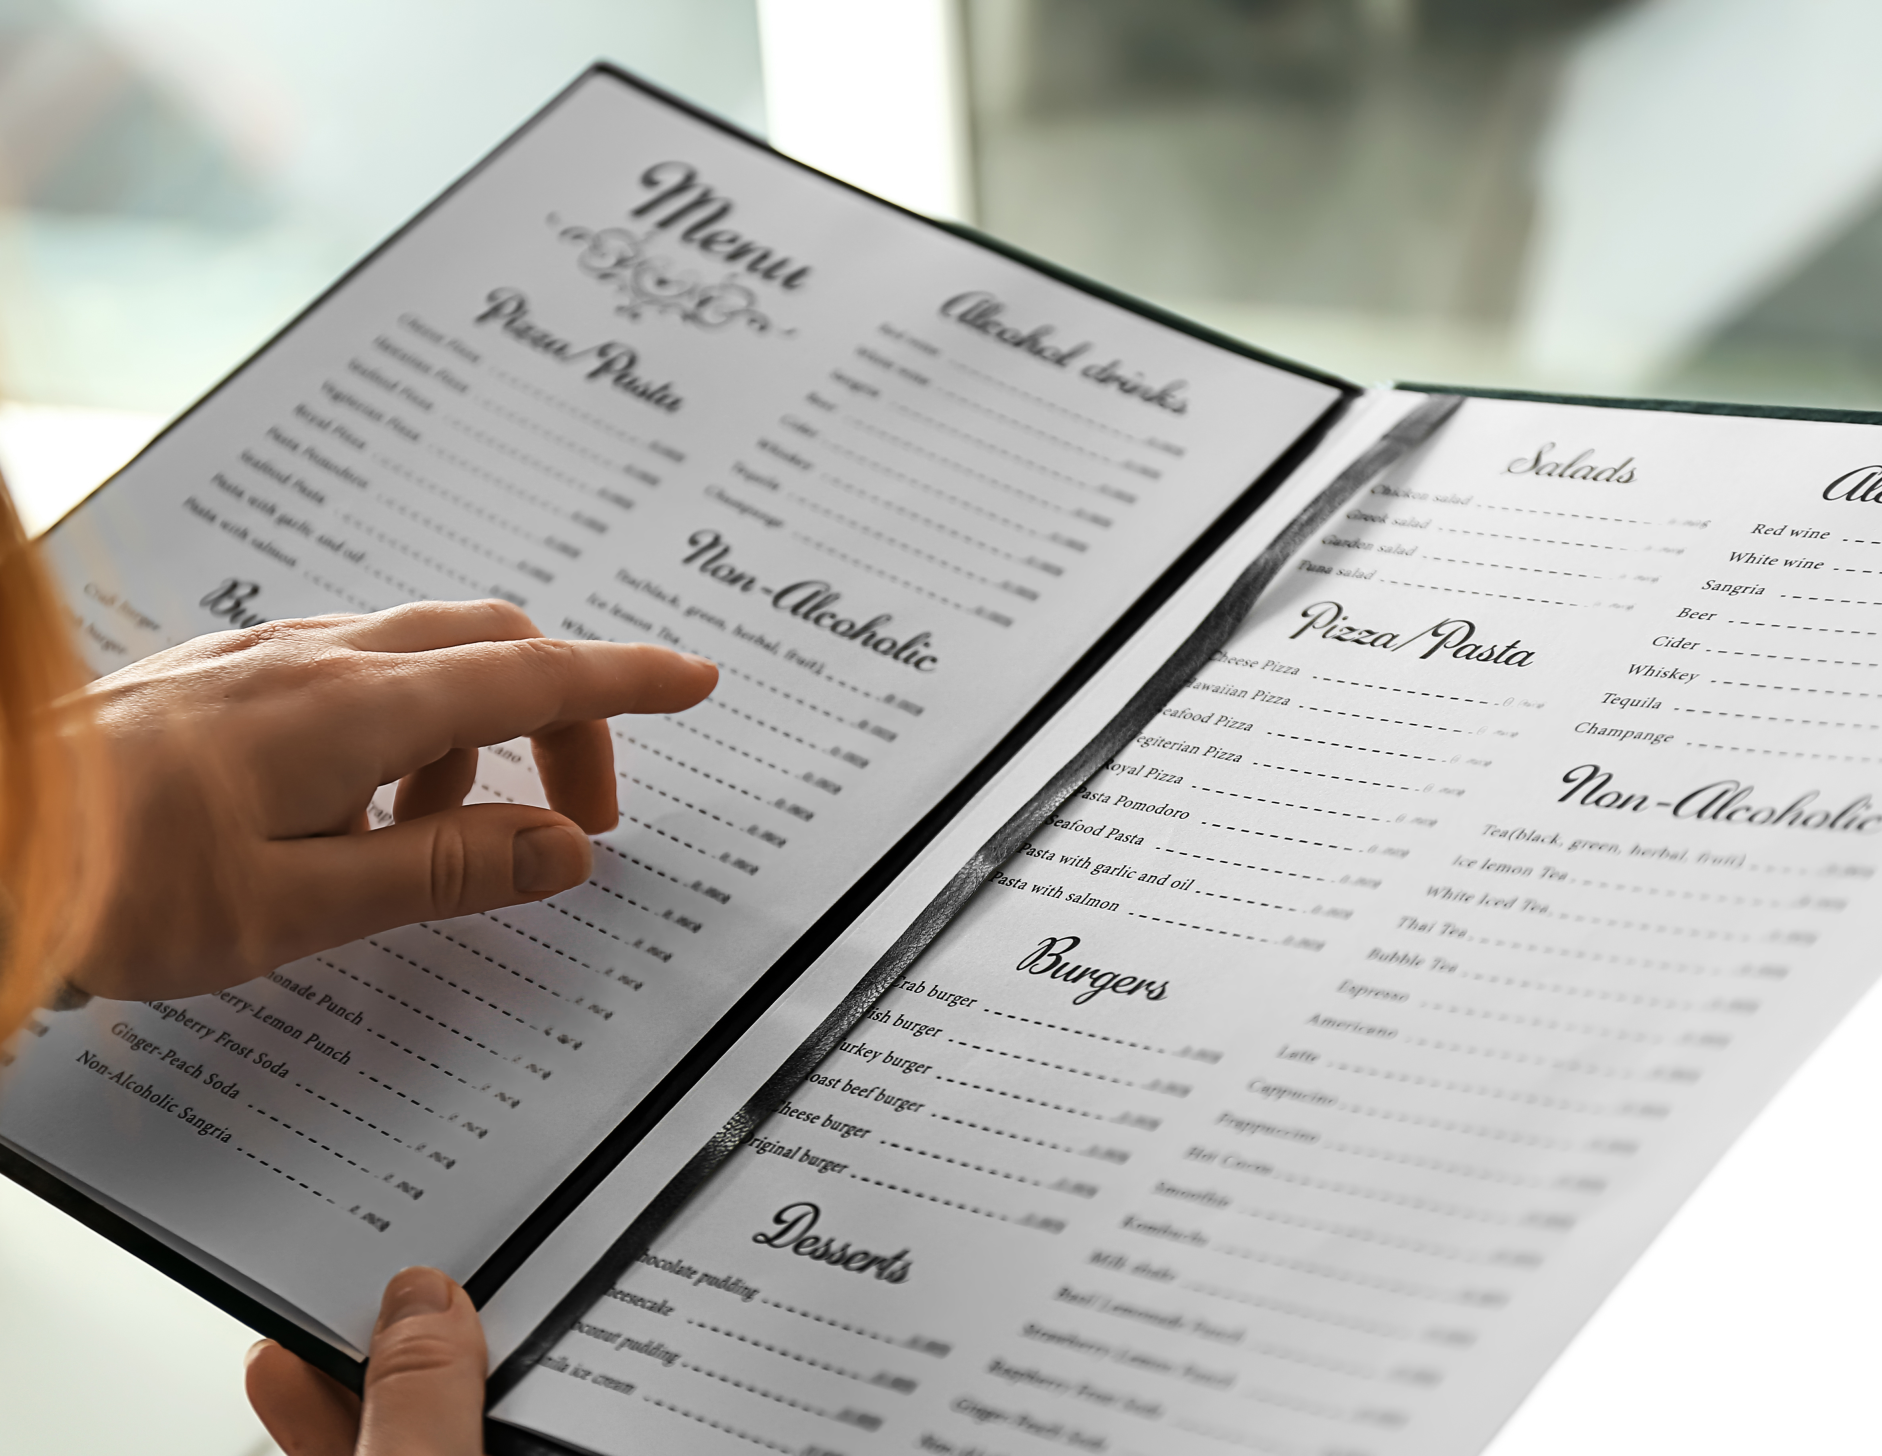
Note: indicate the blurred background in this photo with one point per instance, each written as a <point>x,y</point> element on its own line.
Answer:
<point>1671,197</point>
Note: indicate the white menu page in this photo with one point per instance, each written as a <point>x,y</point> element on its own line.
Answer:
<point>650,382</point>
<point>1310,1080</point>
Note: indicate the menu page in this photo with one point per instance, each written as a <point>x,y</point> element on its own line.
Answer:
<point>648,381</point>
<point>1306,1084</point>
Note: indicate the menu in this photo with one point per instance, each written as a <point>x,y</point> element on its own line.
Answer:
<point>647,381</point>
<point>1309,1080</point>
<point>1302,1081</point>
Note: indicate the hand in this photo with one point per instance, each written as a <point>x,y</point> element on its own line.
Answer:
<point>242,764</point>
<point>424,1382</point>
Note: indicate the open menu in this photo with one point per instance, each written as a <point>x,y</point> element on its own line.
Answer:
<point>1308,1080</point>
<point>1354,985</point>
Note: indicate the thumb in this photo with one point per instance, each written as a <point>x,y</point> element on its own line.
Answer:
<point>425,1372</point>
<point>325,891</point>
<point>307,1413</point>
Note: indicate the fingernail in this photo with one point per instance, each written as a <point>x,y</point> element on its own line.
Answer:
<point>412,1292</point>
<point>695,657</point>
<point>254,1350</point>
<point>547,859</point>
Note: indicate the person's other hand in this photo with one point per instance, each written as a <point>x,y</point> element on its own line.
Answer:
<point>424,1382</point>
<point>243,763</point>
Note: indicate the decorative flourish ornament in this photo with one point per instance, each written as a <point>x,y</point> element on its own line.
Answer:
<point>653,285</point>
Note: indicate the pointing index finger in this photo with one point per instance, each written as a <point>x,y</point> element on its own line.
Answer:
<point>488,692</point>
<point>427,626</point>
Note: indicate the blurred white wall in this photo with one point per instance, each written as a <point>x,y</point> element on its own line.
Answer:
<point>101,1356</point>
<point>872,91</point>
<point>52,455</point>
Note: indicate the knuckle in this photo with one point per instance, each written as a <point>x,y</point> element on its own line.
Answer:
<point>550,658</point>
<point>321,678</point>
<point>491,617</point>
<point>418,611</point>
<point>408,1350</point>
<point>341,666</point>
<point>536,671</point>
<point>288,656</point>
<point>450,870</point>
<point>263,635</point>
<point>508,617</point>
<point>403,611</point>
<point>328,665</point>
